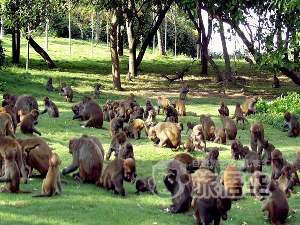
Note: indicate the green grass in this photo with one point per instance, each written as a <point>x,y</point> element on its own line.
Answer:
<point>88,204</point>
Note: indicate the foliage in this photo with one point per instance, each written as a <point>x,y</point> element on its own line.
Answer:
<point>2,55</point>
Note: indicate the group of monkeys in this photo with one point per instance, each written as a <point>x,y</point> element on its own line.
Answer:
<point>20,156</point>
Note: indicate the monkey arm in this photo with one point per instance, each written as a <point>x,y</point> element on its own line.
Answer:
<point>59,184</point>
<point>118,182</point>
<point>44,111</point>
<point>234,115</point>
<point>36,131</point>
<point>63,94</point>
<point>74,166</point>
<point>5,178</point>
<point>184,197</point>
<point>77,116</point>
<point>285,127</point>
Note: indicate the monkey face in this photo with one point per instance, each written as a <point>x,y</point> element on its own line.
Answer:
<point>287,116</point>
<point>86,99</point>
<point>6,96</point>
<point>129,170</point>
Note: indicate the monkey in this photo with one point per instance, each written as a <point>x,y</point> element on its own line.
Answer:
<point>233,182</point>
<point>296,163</point>
<point>52,178</point>
<point>211,203</point>
<point>252,162</point>
<point>162,103</point>
<point>67,92</point>
<point>6,124</point>
<point>123,112</point>
<point>111,111</point>
<point>38,154</point>
<point>148,107</point>
<point>211,162</point>
<point>49,86</point>
<point>117,171</point>
<point>180,107</point>
<point>97,142</point>
<point>200,176</point>
<point>269,148</point>
<point>223,109</point>
<point>190,126</point>
<point>248,106</point>
<point>77,109</point>
<point>28,122</point>
<point>151,120</point>
<point>189,145</point>
<point>105,112</point>
<point>292,124</point>
<point>88,158</point>
<point>208,126</point>
<point>183,92</point>
<point>137,113</point>
<point>176,180</point>
<point>229,127</point>
<point>278,162</point>
<point>134,129</point>
<point>11,97</point>
<point>245,150</point>
<point>191,163</point>
<point>130,97</point>
<point>236,149</point>
<point>286,181</point>
<point>92,112</point>
<point>171,112</point>
<point>258,185</point>
<point>238,114</point>
<point>198,138</point>
<point>248,60</point>
<point>146,185</point>
<point>8,102</point>
<point>116,143</point>
<point>116,124</point>
<point>126,151</point>
<point>97,91</point>
<point>11,174</point>
<point>257,135</point>
<point>165,134</point>
<point>277,206</point>
<point>10,109</point>
<point>220,136</point>
<point>275,82</point>
<point>50,107</point>
<point>24,105</point>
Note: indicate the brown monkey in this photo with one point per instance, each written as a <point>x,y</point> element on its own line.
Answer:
<point>124,112</point>
<point>275,82</point>
<point>257,135</point>
<point>190,126</point>
<point>52,178</point>
<point>137,113</point>
<point>292,124</point>
<point>238,114</point>
<point>229,127</point>
<point>148,107</point>
<point>151,120</point>
<point>116,143</point>
<point>200,176</point>
<point>183,92</point>
<point>88,158</point>
<point>28,122</point>
<point>278,162</point>
<point>277,206</point>
<point>223,109</point>
<point>67,92</point>
<point>248,60</point>
<point>38,154</point>
<point>171,112</point>
<point>77,109</point>
<point>180,107</point>
<point>116,124</point>
<point>296,163</point>
<point>10,109</point>
<point>180,184</point>
<point>97,91</point>
<point>236,149</point>
<point>6,124</point>
<point>220,136</point>
<point>92,112</point>
<point>198,138</point>
<point>24,105</point>
<point>117,171</point>
<point>211,162</point>
<point>252,162</point>
<point>189,145</point>
<point>248,105</point>
<point>126,151</point>
<point>162,103</point>
<point>49,86</point>
<point>286,181</point>
<point>269,148</point>
<point>11,97</point>
<point>12,173</point>
<point>134,129</point>
<point>208,126</point>
<point>97,142</point>
<point>244,152</point>
<point>211,203</point>
<point>191,163</point>
<point>233,182</point>
<point>146,185</point>
<point>258,185</point>
<point>50,107</point>
<point>105,112</point>
<point>165,134</point>
<point>8,102</point>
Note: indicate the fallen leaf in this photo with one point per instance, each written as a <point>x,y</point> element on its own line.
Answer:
<point>295,210</point>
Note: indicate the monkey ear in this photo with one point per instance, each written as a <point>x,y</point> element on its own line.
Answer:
<point>50,162</point>
<point>59,162</point>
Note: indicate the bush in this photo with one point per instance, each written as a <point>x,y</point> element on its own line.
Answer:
<point>272,112</point>
<point>2,55</point>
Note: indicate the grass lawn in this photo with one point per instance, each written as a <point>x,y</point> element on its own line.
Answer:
<point>88,204</point>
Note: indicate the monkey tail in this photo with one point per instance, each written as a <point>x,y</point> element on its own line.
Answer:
<point>38,195</point>
<point>64,181</point>
<point>24,192</point>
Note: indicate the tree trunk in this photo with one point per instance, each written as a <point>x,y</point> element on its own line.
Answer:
<point>225,52</point>
<point>132,49</point>
<point>160,42</point>
<point>16,46</point>
<point>114,52</point>
<point>120,40</point>
<point>41,52</point>
<point>97,37</point>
